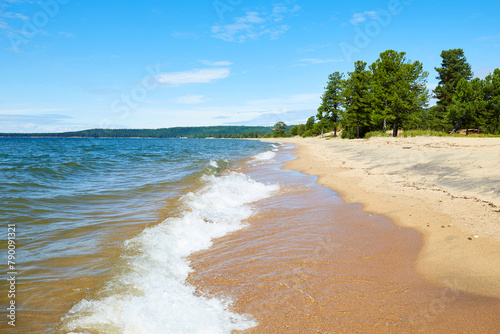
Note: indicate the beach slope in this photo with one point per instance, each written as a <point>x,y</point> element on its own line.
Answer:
<point>448,189</point>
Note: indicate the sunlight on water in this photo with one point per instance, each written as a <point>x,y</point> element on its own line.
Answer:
<point>78,200</point>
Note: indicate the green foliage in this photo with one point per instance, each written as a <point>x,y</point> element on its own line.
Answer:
<point>431,133</point>
<point>279,130</point>
<point>308,133</point>
<point>348,133</point>
<point>310,122</point>
<point>454,67</point>
<point>467,104</point>
<point>294,130</point>
<point>329,111</point>
<point>492,98</point>
<point>420,133</point>
<point>376,134</point>
<point>428,119</point>
<point>301,129</point>
<point>357,95</point>
<point>399,90</point>
<point>318,128</point>
<point>393,91</point>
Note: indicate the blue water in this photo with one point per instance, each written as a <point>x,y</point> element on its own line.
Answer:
<point>105,223</point>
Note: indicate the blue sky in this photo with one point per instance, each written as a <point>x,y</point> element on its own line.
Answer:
<point>71,64</point>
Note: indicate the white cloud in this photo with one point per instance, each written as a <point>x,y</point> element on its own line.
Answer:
<point>487,38</point>
<point>11,15</point>
<point>6,21</point>
<point>32,123</point>
<point>362,17</point>
<point>254,25</point>
<point>268,119</point>
<point>291,109</point>
<point>194,76</point>
<point>270,110</point>
<point>190,99</point>
<point>279,12</point>
<point>216,63</point>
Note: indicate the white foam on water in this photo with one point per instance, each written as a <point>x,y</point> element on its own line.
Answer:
<point>151,295</point>
<point>264,156</point>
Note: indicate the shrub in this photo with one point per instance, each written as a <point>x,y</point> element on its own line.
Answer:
<point>308,133</point>
<point>376,134</point>
<point>348,134</point>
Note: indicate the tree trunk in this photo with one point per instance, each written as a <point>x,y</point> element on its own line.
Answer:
<point>467,131</point>
<point>335,131</point>
<point>384,128</point>
<point>357,130</point>
<point>395,129</point>
<point>321,132</point>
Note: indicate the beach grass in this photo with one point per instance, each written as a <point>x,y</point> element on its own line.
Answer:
<point>428,133</point>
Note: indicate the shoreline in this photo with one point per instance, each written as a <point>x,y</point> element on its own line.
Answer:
<point>308,261</point>
<point>460,224</point>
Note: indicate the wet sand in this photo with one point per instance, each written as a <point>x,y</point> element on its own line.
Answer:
<point>447,189</point>
<point>310,263</point>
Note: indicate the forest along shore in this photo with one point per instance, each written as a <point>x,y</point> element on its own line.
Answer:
<point>448,189</point>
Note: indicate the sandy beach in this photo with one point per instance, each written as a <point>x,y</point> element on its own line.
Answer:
<point>447,189</point>
<point>396,252</point>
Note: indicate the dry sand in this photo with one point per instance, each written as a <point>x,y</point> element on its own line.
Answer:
<point>309,263</point>
<point>448,189</point>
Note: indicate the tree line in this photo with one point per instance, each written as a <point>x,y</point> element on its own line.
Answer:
<point>174,132</point>
<point>392,94</point>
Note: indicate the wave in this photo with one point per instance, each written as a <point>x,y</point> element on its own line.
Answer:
<point>150,294</point>
<point>264,156</point>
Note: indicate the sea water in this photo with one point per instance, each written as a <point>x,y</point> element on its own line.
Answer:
<point>104,228</point>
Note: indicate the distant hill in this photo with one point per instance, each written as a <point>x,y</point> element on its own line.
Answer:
<point>177,132</point>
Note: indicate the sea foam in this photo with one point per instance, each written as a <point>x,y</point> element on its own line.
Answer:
<point>264,156</point>
<point>150,294</point>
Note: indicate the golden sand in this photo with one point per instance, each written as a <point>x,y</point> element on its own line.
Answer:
<point>448,189</point>
<point>308,263</point>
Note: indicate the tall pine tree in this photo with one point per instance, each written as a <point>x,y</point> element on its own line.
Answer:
<point>468,104</point>
<point>357,99</point>
<point>454,67</point>
<point>331,100</point>
<point>399,89</point>
<point>492,97</point>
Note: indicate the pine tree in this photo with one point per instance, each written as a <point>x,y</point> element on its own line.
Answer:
<point>468,104</point>
<point>454,67</point>
<point>399,89</point>
<point>331,100</point>
<point>279,129</point>
<point>357,98</point>
<point>310,122</point>
<point>492,97</point>
<point>322,116</point>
